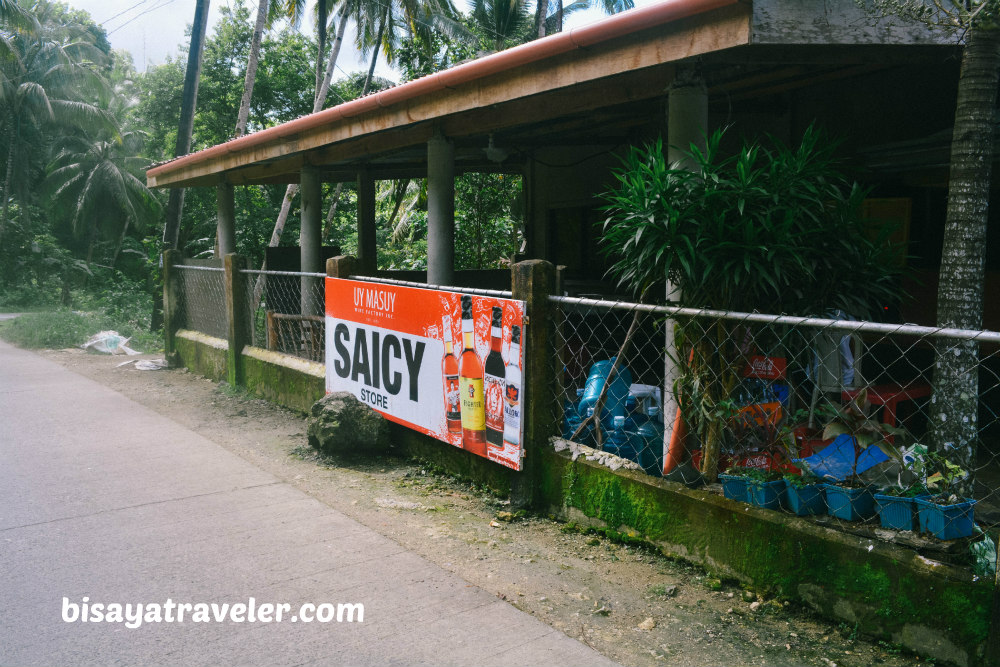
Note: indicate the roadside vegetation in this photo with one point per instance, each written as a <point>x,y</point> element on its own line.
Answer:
<point>81,235</point>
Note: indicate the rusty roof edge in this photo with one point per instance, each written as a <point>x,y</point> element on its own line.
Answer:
<point>579,38</point>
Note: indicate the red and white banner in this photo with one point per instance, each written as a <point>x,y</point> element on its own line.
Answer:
<point>442,363</point>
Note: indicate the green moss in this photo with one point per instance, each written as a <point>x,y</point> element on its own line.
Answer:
<point>885,588</point>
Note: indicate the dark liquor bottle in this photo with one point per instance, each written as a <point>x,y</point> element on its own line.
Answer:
<point>512,391</point>
<point>449,369</point>
<point>493,381</point>
<point>470,385</point>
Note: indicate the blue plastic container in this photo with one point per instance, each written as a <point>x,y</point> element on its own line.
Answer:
<point>896,512</point>
<point>616,439</point>
<point>849,504</point>
<point>805,501</point>
<point>734,487</point>
<point>648,441</point>
<point>767,495</point>
<point>946,522</point>
<point>618,390</point>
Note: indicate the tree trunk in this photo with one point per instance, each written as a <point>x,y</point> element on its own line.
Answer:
<point>7,178</point>
<point>334,54</point>
<point>559,17</point>
<point>955,403</point>
<point>175,205</point>
<point>258,35</point>
<point>292,189</point>
<point>321,21</point>
<point>378,45</point>
<point>335,200</point>
<point>541,9</point>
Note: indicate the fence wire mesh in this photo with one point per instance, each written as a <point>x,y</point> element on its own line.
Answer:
<point>898,424</point>
<point>202,299</point>
<point>285,311</point>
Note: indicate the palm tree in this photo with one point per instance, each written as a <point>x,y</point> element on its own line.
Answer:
<point>98,180</point>
<point>46,84</point>
<point>545,23</point>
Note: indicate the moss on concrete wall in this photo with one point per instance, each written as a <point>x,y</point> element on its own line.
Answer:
<point>289,381</point>
<point>202,354</point>
<point>887,591</point>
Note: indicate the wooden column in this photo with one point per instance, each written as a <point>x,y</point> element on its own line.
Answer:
<point>533,281</point>
<point>226,220</point>
<point>367,260</point>
<point>236,309</point>
<point>171,305</point>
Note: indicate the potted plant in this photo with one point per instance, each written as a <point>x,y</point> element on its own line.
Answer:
<point>859,442</point>
<point>944,513</point>
<point>804,494</point>
<point>765,488</point>
<point>896,502</point>
<point>734,483</point>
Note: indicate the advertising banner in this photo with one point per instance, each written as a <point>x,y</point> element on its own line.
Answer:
<point>446,364</point>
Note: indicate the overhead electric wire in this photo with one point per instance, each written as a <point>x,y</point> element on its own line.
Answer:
<point>141,14</point>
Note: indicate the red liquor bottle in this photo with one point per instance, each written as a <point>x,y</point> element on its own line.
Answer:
<point>449,369</point>
<point>470,385</point>
<point>493,381</point>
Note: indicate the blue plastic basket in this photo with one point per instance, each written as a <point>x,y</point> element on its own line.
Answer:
<point>734,487</point>
<point>767,495</point>
<point>946,522</point>
<point>806,500</point>
<point>896,512</point>
<point>849,504</point>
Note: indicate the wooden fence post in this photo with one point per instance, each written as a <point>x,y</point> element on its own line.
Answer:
<point>236,308</point>
<point>341,266</point>
<point>171,304</point>
<point>533,281</point>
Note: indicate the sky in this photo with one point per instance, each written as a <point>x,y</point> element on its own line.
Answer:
<point>152,29</point>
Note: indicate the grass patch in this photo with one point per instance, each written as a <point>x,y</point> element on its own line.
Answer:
<point>65,328</point>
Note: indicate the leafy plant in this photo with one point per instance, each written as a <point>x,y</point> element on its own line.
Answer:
<point>770,228</point>
<point>802,479</point>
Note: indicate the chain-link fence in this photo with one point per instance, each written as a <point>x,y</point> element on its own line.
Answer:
<point>897,423</point>
<point>201,302</point>
<point>285,310</point>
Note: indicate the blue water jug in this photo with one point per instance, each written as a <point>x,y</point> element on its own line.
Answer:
<point>648,442</point>
<point>618,390</point>
<point>571,419</point>
<point>616,438</point>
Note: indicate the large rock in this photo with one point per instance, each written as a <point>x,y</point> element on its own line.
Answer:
<point>341,424</point>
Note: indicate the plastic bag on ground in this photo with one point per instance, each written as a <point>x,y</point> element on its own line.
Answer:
<point>108,342</point>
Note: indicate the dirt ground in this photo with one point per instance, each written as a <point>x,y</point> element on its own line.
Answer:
<point>627,602</point>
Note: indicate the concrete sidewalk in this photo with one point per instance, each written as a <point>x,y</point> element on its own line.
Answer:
<point>101,498</point>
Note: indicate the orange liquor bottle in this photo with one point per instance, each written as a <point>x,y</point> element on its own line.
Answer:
<point>470,385</point>
<point>449,369</point>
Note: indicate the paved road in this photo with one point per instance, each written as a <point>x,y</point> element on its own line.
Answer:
<point>105,501</point>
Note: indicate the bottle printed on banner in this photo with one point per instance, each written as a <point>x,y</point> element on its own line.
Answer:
<point>449,371</point>
<point>493,382</point>
<point>512,391</point>
<point>470,384</point>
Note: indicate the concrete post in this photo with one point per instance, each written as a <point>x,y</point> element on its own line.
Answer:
<point>226,220</point>
<point>533,282</point>
<point>367,260</point>
<point>310,237</point>
<point>236,309</point>
<point>687,114</point>
<point>440,211</point>
<point>171,305</point>
<point>687,123</point>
